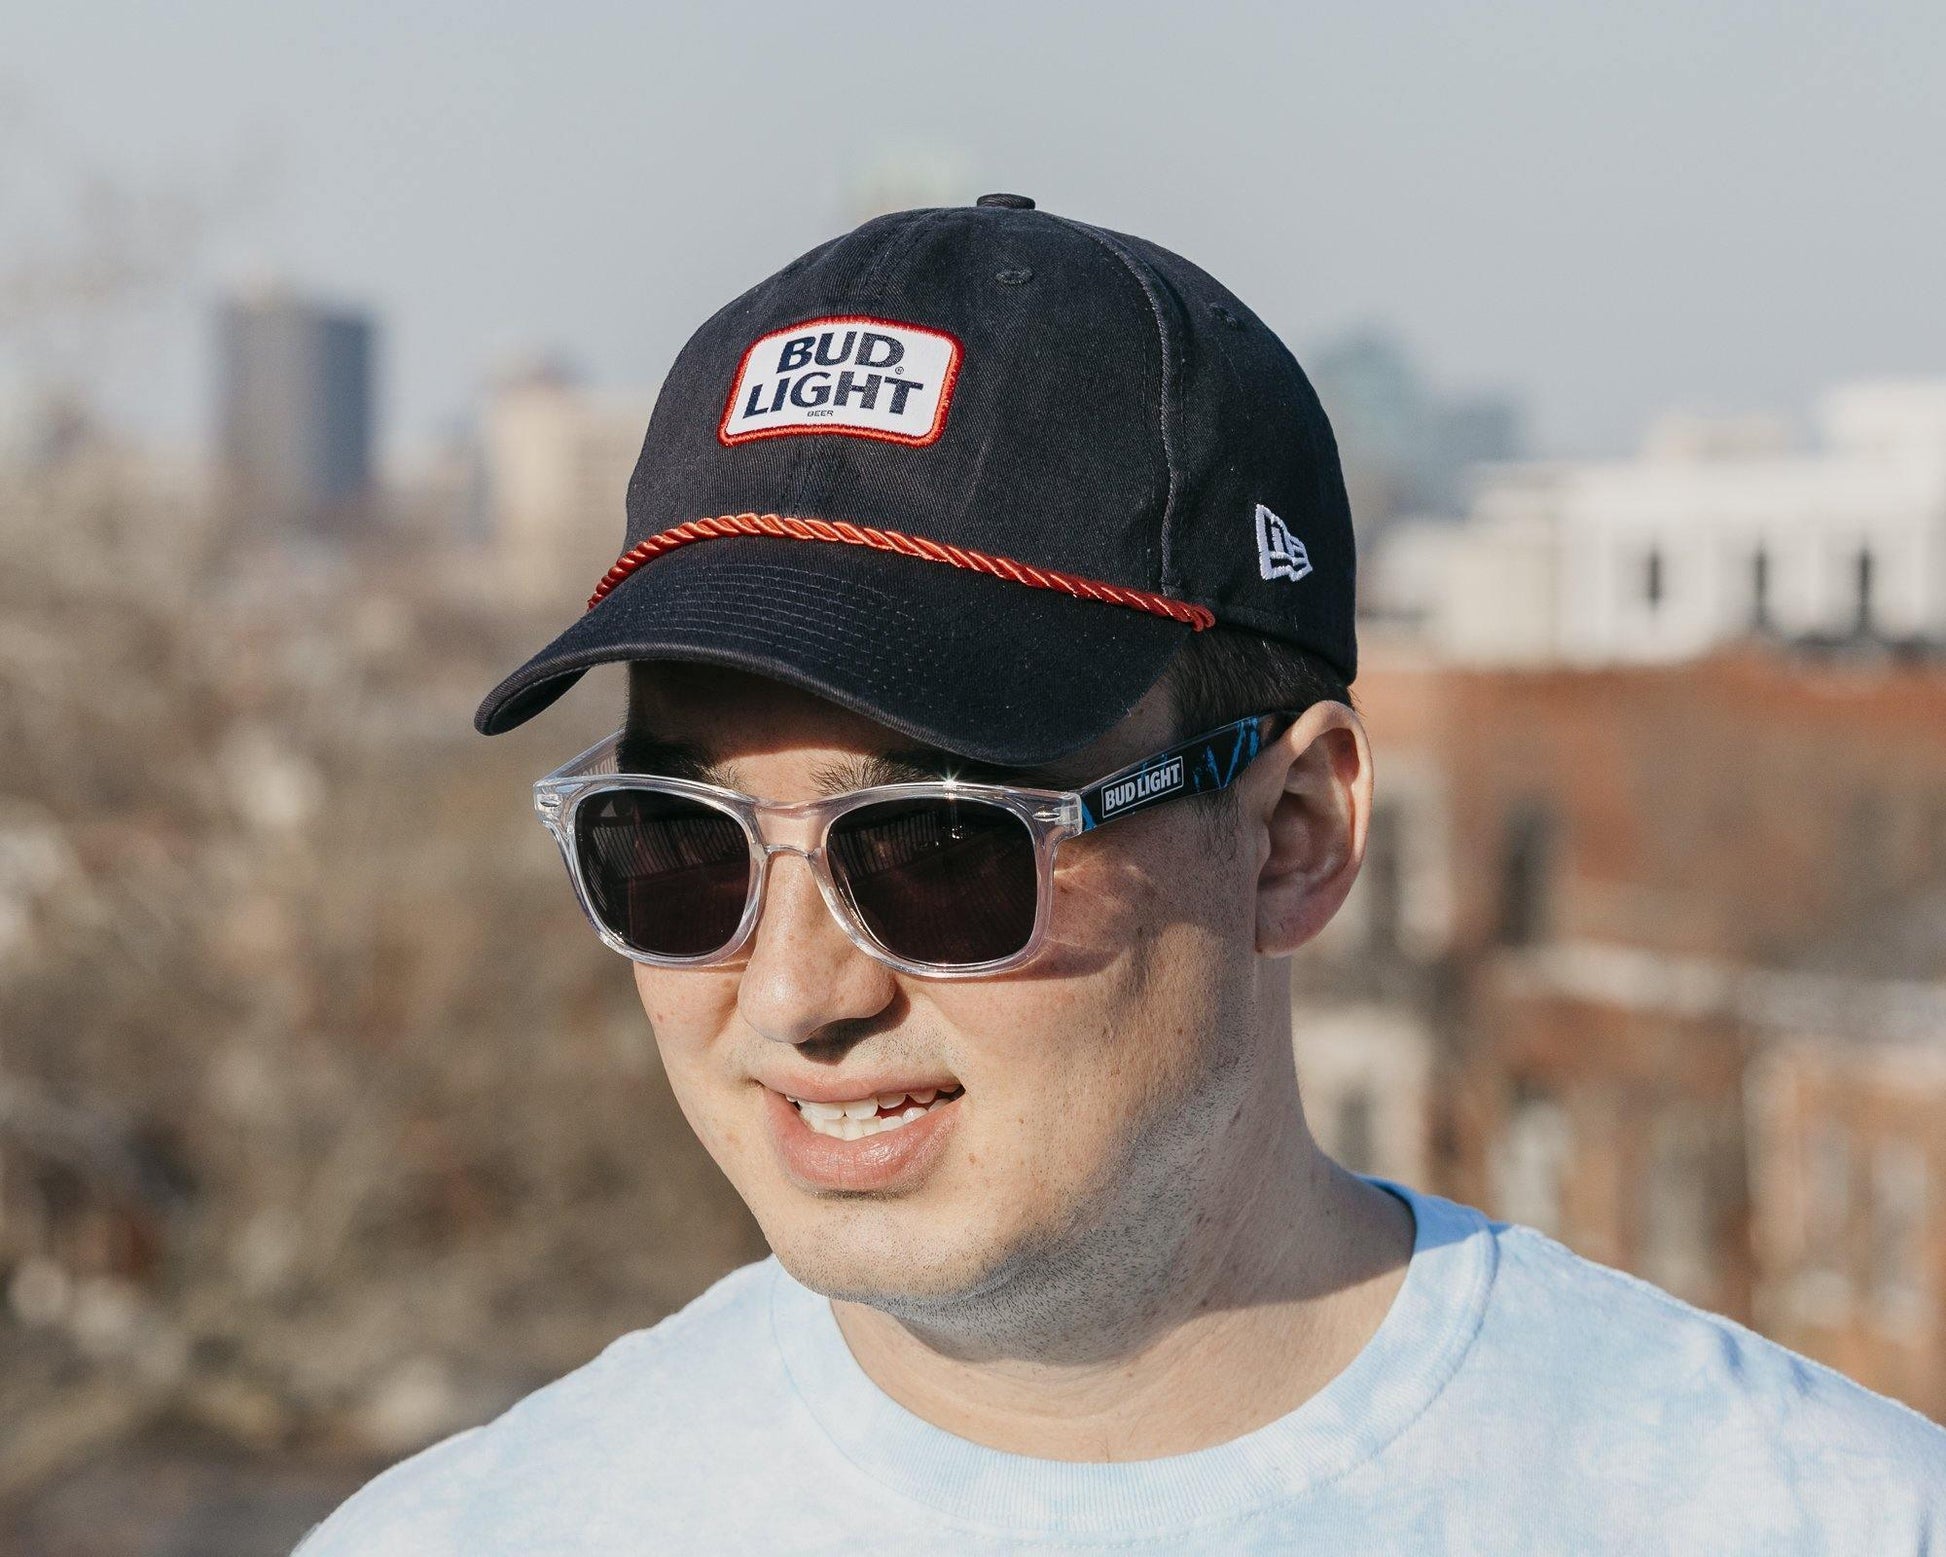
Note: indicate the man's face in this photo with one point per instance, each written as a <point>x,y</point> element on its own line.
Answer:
<point>1073,1088</point>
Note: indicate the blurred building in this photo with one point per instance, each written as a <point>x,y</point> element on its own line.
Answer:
<point>1718,530</point>
<point>1654,959</point>
<point>555,458</point>
<point>296,414</point>
<point>1407,449</point>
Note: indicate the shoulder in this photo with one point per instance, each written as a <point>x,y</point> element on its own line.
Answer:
<point>646,1392</point>
<point>1643,1389</point>
<point>1595,1320</point>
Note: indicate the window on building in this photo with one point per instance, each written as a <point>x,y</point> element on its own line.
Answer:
<point>1679,1211</point>
<point>1823,1287</point>
<point>1872,861</point>
<point>1653,582</point>
<point>1900,1295</point>
<point>1760,591</point>
<point>1864,570</point>
<point>1526,867</point>
<point>1529,1162</point>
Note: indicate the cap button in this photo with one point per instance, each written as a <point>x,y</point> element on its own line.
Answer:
<point>1011,202</point>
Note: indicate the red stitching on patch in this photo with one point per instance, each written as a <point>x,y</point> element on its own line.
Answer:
<point>912,440</point>
<point>784,527</point>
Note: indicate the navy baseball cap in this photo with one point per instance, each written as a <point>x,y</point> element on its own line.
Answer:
<point>977,473</point>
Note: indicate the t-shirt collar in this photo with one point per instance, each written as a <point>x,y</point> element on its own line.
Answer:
<point>1395,1376</point>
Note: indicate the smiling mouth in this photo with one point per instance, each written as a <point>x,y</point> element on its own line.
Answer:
<point>856,1119</point>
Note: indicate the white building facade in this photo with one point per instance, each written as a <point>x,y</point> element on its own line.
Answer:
<point>556,459</point>
<point>1716,532</point>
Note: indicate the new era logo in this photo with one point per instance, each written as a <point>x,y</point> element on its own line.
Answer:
<point>1280,554</point>
<point>865,378</point>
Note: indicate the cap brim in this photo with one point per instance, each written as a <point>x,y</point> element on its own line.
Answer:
<point>990,669</point>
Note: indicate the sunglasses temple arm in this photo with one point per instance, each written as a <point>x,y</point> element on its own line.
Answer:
<point>1199,766</point>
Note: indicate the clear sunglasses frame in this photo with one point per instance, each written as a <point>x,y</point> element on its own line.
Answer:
<point>1201,765</point>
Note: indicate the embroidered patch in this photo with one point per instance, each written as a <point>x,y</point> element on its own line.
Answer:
<point>1280,554</point>
<point>863,378</point>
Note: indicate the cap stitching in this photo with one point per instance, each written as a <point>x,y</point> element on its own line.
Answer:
<point>1169,376</point>
<point>807,621</point>
<point>786,527</point>
<point>869,284</point>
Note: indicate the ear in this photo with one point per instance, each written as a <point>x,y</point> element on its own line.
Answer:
<point>1312,809</point>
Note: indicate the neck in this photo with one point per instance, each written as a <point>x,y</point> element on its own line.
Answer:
<point>1281,1269</point>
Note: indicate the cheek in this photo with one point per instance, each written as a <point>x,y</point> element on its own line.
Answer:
<point>687,1011</point>
<point>686,1007</point>
<point>1166,892</point>
<point>1152,969</point>
<point>1068,1069</point>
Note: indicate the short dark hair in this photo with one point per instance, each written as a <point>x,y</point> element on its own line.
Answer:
<point>1228,673</point>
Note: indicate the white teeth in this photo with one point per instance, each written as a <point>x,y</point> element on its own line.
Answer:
<point>858,1118</point>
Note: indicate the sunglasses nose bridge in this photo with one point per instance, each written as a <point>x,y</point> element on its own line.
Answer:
<point>810,850</point>
<point>816,862</point>
<point>788,829</point>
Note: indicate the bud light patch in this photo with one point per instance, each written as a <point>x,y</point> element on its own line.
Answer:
<point>864,378</point>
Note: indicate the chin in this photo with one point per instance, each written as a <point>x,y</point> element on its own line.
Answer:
<point>881,1255</point>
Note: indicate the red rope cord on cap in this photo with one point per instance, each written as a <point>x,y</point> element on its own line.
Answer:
<point>786,528</point>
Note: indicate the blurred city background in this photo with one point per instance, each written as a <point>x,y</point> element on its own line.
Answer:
<point>327,339</point>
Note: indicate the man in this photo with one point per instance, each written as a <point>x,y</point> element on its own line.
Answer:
<point>988,604</point>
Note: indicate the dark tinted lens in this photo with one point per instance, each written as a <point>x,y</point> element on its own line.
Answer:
<point>667,874</point>
<point>935,880</point>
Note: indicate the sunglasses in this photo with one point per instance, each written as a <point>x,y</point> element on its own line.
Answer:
<point>940,879</point>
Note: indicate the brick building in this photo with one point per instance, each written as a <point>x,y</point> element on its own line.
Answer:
<point>1655,959</point>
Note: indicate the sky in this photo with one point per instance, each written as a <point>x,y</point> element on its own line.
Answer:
<point>1606,210</point>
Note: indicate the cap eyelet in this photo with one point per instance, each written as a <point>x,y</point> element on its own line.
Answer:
<point>1226,316</point>
<point>1014,278</point>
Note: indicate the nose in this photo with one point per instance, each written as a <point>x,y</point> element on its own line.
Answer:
<point>803,973</point>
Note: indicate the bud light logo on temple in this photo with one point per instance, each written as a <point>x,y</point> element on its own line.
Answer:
<point>863,378</point>
<point>1149,784</point>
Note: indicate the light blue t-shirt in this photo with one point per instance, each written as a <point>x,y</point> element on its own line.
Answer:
<point>1515,1399</point>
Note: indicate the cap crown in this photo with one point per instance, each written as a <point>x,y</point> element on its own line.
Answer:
<point>1025,386</point>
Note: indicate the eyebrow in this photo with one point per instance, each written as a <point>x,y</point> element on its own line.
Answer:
<point>922,764</point>
<point>642,751</point>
